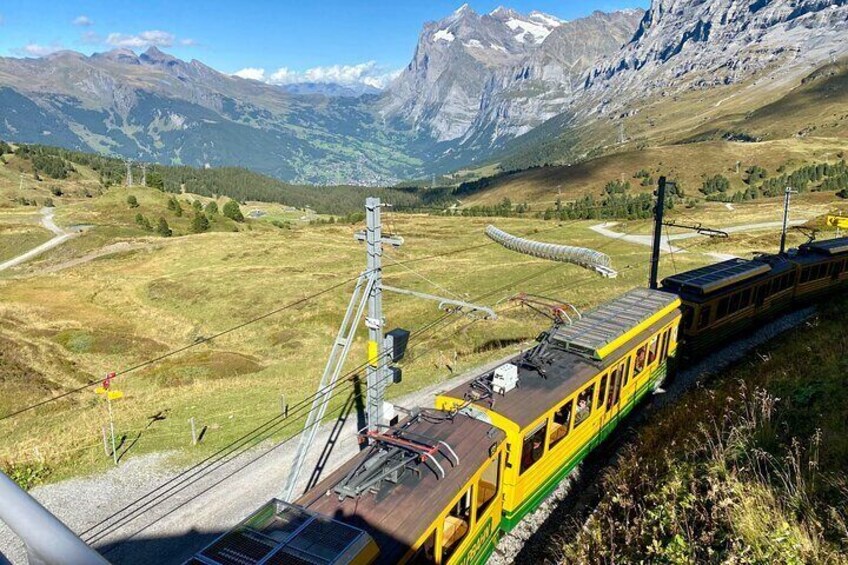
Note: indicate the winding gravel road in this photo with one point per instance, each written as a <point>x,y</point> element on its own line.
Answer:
<point>60,237</point>
<point>665,240</point>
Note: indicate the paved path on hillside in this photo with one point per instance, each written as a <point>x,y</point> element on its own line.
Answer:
<point>665,240</point>
<point>188,520</point>
<point>60,237</point>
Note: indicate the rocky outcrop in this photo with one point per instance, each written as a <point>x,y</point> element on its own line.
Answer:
<point>691,44</point>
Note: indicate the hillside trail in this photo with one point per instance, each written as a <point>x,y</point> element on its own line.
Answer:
<point>665,240</point>
<point>60,236</point>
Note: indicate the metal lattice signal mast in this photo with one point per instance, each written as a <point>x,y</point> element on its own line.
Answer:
<point>367,293</point>
<point>588,258</point>
<point>129,173</point>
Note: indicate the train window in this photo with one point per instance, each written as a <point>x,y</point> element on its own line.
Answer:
<point>666,344</point>
<point>426,554</point>
<point>487,486</point>
<point>534,446</point>
<point>652,349</point>
<point>602,393</point>
<point>704,316</point>
<point>584,405</point>
<point>627,370</point>
<point>723,308</point>
<point>688,316</point>
<point>640,359</point>
<point>561,423</point>
<point>745,300</point>
<point>456,525</point>
<point>735,303</point>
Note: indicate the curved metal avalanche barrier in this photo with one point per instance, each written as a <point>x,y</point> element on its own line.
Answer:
<point>588,258</point>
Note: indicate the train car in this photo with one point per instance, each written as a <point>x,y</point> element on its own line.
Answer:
<point>571,391</point>
<point>724,300</point>
<point>822,268</point>
<point>428,490</point>
<point>443,485</point>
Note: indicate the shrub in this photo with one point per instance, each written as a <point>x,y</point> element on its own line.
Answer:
<point>232,211</point>
<point>143,222</point>
<point>212,208</point>
<point>199,223</point>
<point>132,201</point>
<point>163,228</point>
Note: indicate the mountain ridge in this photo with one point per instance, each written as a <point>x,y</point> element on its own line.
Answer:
<point>478,89</point>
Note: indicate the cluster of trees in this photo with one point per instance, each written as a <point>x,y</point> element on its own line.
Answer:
<point>816,177</point>
<point>503,209</point>
<point>715,184</point>
<point>645,176</point>
<point>44,161</point>
<point>618,206</point>
<point>617,187</point>
<point>234,182</point>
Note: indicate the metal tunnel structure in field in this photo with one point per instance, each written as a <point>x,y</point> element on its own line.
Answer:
<point>588,258</point>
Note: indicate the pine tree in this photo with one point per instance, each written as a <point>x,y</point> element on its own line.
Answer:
<point>199,223</point>
<point>232,211</point>
<point>163,228</point>
<point>212,208</point>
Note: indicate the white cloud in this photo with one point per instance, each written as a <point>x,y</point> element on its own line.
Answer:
<point>144,39</point>
<point>251,73</point>
<point>188,42</point>
<point>38,50</point>
<point>368,73</point>
<point>83,21</point>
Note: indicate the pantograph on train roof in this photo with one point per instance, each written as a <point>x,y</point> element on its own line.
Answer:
<point>836,246</point>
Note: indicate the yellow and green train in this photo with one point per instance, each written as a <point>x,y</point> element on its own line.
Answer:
<point>446,483</point>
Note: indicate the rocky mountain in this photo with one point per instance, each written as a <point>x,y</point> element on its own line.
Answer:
<point>481,78</point>
<point>479,88</point>
<point>688,45</point>
<point>156,107</point>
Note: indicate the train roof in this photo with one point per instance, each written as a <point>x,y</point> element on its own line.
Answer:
<point>835,246</point>
<point>280,533</point>
<point>709,279</point>
<point>396,511</point>
<point>567,372</point>
<point>601,330</point>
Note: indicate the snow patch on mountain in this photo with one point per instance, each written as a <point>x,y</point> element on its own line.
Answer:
<point>443,35</point>
<point>537,32</point>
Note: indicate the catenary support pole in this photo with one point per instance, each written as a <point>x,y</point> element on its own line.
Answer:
<point>375,371</point>
<point>48,540</point>
<point>787,195</point>
<point>658,225</point>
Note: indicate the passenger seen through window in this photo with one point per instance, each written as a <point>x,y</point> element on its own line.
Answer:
<point>584,405</point>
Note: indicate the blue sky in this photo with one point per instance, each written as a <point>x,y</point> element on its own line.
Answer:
<point>346,39</point>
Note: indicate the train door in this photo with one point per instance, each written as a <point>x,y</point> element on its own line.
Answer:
<point>617,384</point>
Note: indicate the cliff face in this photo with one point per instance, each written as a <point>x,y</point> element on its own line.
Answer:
<point>497,75</point>
<point>690,44</point>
